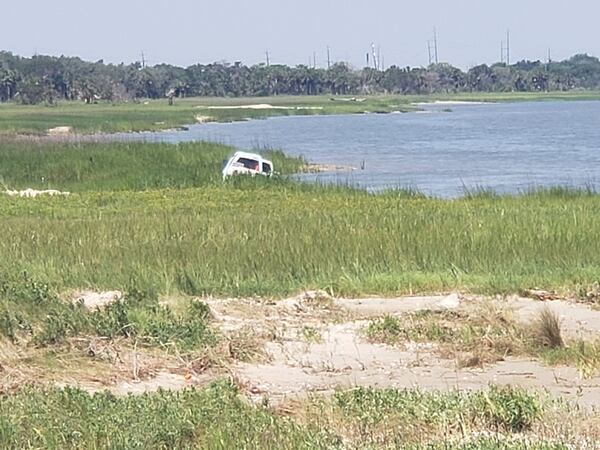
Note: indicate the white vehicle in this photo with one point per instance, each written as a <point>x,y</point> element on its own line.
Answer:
<point>242,163</point>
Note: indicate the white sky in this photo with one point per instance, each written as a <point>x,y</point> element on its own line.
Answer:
<point>185,32</point>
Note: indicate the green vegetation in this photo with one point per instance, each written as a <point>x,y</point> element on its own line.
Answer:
<point>217,417</point>
<point>46,79</point>
<point>581,354</point>
<point>501,409</point>
<point>115,166</point>
<point>153,219</point>
<point>31,312</point>
<point>473,338</point>
<point>274,237</point>
<point>156,115</point>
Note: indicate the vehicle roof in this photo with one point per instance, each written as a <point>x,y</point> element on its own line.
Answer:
<point>250,156</point>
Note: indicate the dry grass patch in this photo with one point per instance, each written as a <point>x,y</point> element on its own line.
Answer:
<point>247,345</point>
<point>487,334</point>
<point>477,336</point>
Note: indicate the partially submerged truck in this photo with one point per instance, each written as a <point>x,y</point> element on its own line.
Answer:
<point>244,163</point>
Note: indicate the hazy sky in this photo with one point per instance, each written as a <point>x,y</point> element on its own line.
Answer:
<point>185,32</point>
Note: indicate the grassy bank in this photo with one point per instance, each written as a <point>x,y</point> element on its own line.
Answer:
<point>219,418</point>
<point>274,237</point>
<point>157,115</point>
<point>112,166</point>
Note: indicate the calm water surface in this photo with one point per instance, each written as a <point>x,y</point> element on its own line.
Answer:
<point>508,147</point>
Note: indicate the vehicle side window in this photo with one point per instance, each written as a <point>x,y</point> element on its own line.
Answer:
<point>266,168</point>
<point>248,163</point>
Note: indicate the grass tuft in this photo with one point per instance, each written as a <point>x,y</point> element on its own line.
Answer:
<point>548,330</point>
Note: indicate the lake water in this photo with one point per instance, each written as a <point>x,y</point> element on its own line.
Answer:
<point>508,147</point>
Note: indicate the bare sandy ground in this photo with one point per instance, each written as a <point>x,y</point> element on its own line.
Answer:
<point>259,106</point>
<point>32,193</point>
<point>312,343</point>
<point>342,357</point>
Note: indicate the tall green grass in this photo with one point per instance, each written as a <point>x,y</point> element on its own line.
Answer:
<point>275,236</point>
<point>102,166</point>
<point>256,237</point>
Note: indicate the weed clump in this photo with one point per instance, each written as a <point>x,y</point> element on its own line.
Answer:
<point>30,312</point>
<point>372,411</point>
<point>547,327</point>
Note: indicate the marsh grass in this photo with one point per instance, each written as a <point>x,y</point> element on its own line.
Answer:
<point>275,237</point>
<point>155,115</point>
<point>160,214</point>
<point>112,166</point>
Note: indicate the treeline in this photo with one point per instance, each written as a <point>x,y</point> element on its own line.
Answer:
<point>48,79</point>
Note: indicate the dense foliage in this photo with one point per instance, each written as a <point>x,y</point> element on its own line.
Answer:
<point>48,79</point>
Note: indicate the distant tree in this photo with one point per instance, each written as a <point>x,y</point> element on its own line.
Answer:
<point>47,79</point>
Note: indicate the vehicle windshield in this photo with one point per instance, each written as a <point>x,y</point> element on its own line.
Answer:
<point>266,168</point>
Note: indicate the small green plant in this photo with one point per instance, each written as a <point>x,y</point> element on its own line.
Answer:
<point>508,409</point>
<point>583,355</point>
<point>311,335</point>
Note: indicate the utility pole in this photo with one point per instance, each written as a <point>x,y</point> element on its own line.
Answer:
<point>267,55</point>
<point>429,51</point>
<point>314,60</point>
<point>435,45</point>
<point>549,57</point>
<point>508,47</point>
<point>328,59</point>
<point>143,60</point>
<point>375,60</point>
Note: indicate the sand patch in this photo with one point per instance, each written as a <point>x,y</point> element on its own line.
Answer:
<point>59,131</point>
<point>203,119</point>
<point>449,103</point>
<point>31,193</point>
<point>262,106</point>
<point>96,300</point>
